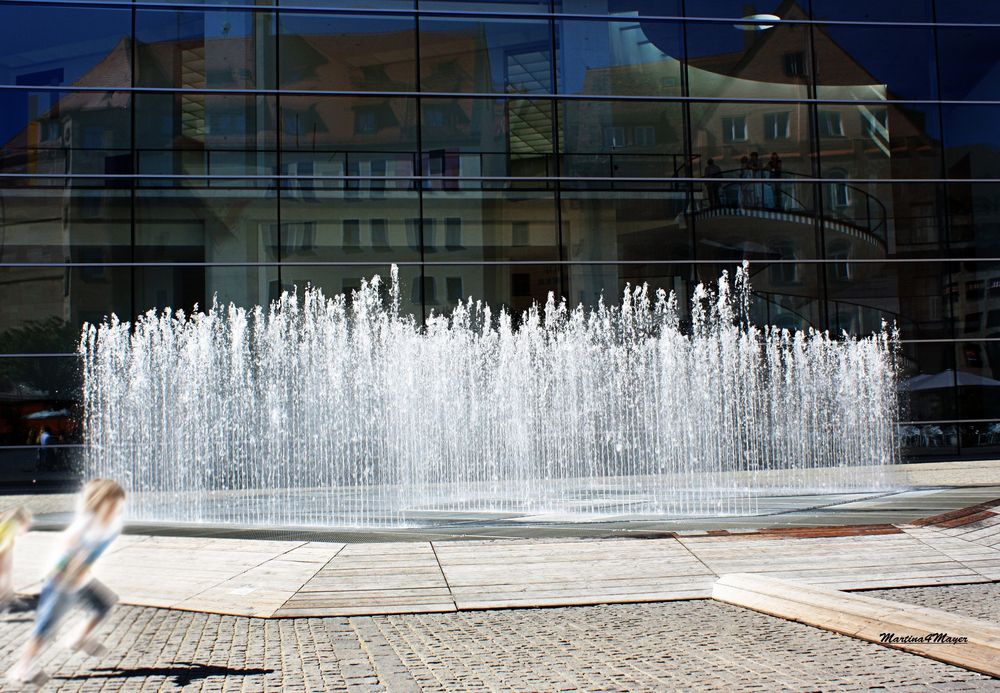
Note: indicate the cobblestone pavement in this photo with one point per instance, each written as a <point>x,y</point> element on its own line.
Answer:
<point>693,645</point>
<point>978,601</point>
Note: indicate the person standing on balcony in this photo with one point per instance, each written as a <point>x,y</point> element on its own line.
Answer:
<point>774,172</point>
<point>746,187</point>
<point>712,170</point>
<point>757,172</point>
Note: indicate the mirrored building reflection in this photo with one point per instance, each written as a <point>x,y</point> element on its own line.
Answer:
<point>155,157</point>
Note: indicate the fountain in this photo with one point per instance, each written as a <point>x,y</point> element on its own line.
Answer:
<point>342,411</point>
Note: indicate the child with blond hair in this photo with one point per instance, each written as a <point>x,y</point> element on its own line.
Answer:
<point>12,524</point>
<point>70,583</point>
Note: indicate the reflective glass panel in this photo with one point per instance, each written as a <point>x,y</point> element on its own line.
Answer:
<point>621,8</point>
<point>43,308</point>
<point>65,132</point>
<point>39,401</point>
<point>333,52</point>
<point>909,295</point>
<point>635,58</point>
<point>57,46</point>
<point>622,139</point>
<point>974,215</point>
<point>972,140</point>
<point>223,134</point>
<point>491,226</point>
<point>626,225</point>
<point>182,287</point>
<point>927,392</point>
<point>967,11</point>
<point>738,9</point>
<point>329,225</point>
<point>867,11</point>
<point>874,63</point>
<point>968,63</point>
<point>878,141</point>
<point>736,61</point>
<point>189,49</point>
<point>342,124</point>
<point>205,225</point>
<point>977,379</point>
<point>60,225</point>
<point>487,55</point>
<point>486,137</point>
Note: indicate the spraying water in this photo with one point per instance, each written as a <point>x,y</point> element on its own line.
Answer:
<point>342,411</point>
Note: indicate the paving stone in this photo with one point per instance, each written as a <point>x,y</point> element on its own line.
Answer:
<point>693,645</point>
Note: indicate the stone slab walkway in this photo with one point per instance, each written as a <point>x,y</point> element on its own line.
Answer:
<point>306,578</point>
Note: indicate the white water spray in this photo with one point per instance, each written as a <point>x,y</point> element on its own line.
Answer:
<point>341,411</point>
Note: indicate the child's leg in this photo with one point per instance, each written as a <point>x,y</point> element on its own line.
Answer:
<point>53,604</point>
<point>99,600</point>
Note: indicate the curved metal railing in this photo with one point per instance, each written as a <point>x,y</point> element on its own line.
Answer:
<point>760,192</point>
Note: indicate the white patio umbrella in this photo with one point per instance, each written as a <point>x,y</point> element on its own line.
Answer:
<point>946,379</point>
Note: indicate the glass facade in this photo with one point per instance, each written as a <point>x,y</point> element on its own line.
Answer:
<point>172,154</point>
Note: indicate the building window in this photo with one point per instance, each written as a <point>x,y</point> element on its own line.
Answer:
<point>777,126</point>
<point>413,234</point>
<point>830,124</point>
<point>365,122</point>
<point>453,286</point>
<point>435,117</point>
<point>351,229</point>
<point>300,238</point>
<point>734,129</point>
<point>519,234</point>
<point>840,253</point>
<point>839,193</point>
<point>453,234</point>
<point>784,273</point>
<point>644,136</point>
<point>380,234</point>
<point>614,137</point>
<point>796,64</point>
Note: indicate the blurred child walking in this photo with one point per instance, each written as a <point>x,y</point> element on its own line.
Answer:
<point>97,524</point>
<point>12,524</point>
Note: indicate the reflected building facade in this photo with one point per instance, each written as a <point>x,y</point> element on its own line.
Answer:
<point>168,154</point>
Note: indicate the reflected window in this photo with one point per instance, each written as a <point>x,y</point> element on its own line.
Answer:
<point>351,231</point>
<point>830,124</point>
<point>644,136</point>
<point>972,321</point>
<point>520,236</point>
<point>795,64</point>
<point>614,137</point>
<point>734,129</point>
<point>840,253</point>
<point>453,233</point>
<point>380,234</point>
<point>453,287</point>
<point>777,126</point>
<point>784,273</point>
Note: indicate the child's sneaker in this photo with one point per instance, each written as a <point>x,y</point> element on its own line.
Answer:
<point>34,677</point>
